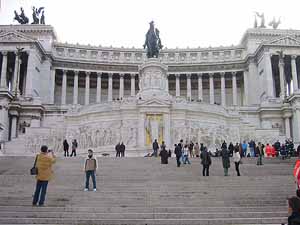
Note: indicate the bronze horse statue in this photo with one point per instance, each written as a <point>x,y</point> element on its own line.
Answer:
<point>152,42</point>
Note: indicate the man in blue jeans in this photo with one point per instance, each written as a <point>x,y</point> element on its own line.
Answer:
<point>90,167</point>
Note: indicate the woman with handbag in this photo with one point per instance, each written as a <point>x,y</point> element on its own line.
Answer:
<point>43,170</point>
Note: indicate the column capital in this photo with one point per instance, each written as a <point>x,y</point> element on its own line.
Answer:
<point>199,75</point>
<point>64,71</point>
<point>110,74</point>
<point>4,53</point>
<point>281,62</point>
<point>188,75</point>
<point>99,74</point>
<point>121,75</point>
<point>233,73</point>
<point>222,74</point>
<point>293,57</point>
<point>87,73</point>
<point>211,75</point>
<point>177,75</point>
<point>133,75</point>
<point>76,72</point>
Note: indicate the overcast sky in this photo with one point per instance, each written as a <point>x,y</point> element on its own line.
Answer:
<point>181,23</point>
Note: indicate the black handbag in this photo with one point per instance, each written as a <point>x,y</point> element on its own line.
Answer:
<point>34,169</point>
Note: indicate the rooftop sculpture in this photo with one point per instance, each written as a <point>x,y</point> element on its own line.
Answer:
<point>153,42</point>
<point>22,19</point>
<point>274,24</point>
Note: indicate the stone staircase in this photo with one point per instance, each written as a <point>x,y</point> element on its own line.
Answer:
<point>142,191</point>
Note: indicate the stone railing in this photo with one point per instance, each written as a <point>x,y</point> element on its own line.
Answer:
<point>137,56</point>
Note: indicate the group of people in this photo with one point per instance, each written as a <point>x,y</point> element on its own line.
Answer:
<point>66,148</point>
<point>120,150</point>
<point>43,164</point>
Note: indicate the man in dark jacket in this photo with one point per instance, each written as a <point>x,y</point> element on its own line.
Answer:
<point>164,155</point>
<point>178,154</point>
<point>122,149</point>
<point>294,211</point>
<point>155,148</point>
<point>205,161</point>
<point>117,148</point>
<point>225,161</point>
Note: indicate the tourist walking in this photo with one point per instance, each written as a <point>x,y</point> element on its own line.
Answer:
<point>122,149</point>
<point>225,161</point>
<point>178,153</point>
<point>294,211</point>
<point>230,148</point>
<point>74,147</point>
<point>237,160</point>
<point>43,163</point>
<point>186,155</point>
<point>197,149</point>
<point>164,155</point>
<point>251,147</point>
<point>90,167</point>
<point>205,161</point>
<point>259,154</point>
<point>191,148</point>
<point>66,148</point>
<point>155,148</point>
<point>244,149</point>
<point>117,148</point>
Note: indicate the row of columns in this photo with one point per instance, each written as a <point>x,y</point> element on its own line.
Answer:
<point>98,91</point>
<point>211,87</point>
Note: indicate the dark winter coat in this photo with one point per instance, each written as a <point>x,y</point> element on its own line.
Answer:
<point>66,145</point>
<point>294,219</point>
<point>178,151</point>
<point>164,155</point>
<point>205,158</point>
<point>155,145</point>
<point>225,158</point>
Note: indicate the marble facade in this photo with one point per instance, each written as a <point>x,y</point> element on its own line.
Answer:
<point>103,95</point>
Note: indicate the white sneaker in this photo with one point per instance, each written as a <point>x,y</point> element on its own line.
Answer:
<point>86,189</point>
<point>95,189</point>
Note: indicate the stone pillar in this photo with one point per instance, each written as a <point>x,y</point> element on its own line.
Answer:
<point>167,83</point>
<point>177,85</point>
<point>223,89</point>
<point>52,85</point>
<point>110,75</point>
<point>15,87</point>
<point>121,92</point>
<point>188,86</point>
<point>141,130</point>
<point>211,89</point>
<point>294,72</point>
<point>64,88</point>
<point>29,74</point>
<point>87,88</point>
<point>200,93</point>
<point>14,127</point>
<point>3,82</point>
<point>234,89</point>
<point>246,89</point>
<point>75,88</point>
<point>132,91</point>
<point>269,84</point>
<point>98,92</point>
<point>281,78</point>
<point>287,127</point>
<point>167,129</point>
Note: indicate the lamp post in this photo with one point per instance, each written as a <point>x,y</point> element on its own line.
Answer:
<point>19,52</point>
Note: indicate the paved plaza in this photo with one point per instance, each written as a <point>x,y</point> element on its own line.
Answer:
<point>142,191</point>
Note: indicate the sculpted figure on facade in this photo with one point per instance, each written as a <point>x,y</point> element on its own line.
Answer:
<point>22,19</point>
<point>152,42</point>
<point>275,23</point>
<point>262,19</point>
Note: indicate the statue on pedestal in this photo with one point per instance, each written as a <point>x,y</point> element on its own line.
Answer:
<point>262,19</point>
<point>22,19</point>
<point>152,42</point>
<point>275,23</point>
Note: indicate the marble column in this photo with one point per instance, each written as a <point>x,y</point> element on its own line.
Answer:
<point>269,82</point>
<point>211,89</point>
<point>246,89</point>
<point>200,92</point>
<point>14,121</point>
<point>52,85</point>
<point>223,89</point>
<point>15,86</point>
<point>132,90</point>
<point>281,78</point>
<point>98,92</point>
<point>177,85</point>
<point>29,90</point>
<point>294,72</point>
<point>75,88</point>
<point>121,91</point>
<point>110,76</point>
<point>287,127</point>
<point>188,86</point>
<point>87,88</point>
<point>64,88</point>
<point>167,83</point>
<point>3,82</point>
<point>234,89</point>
